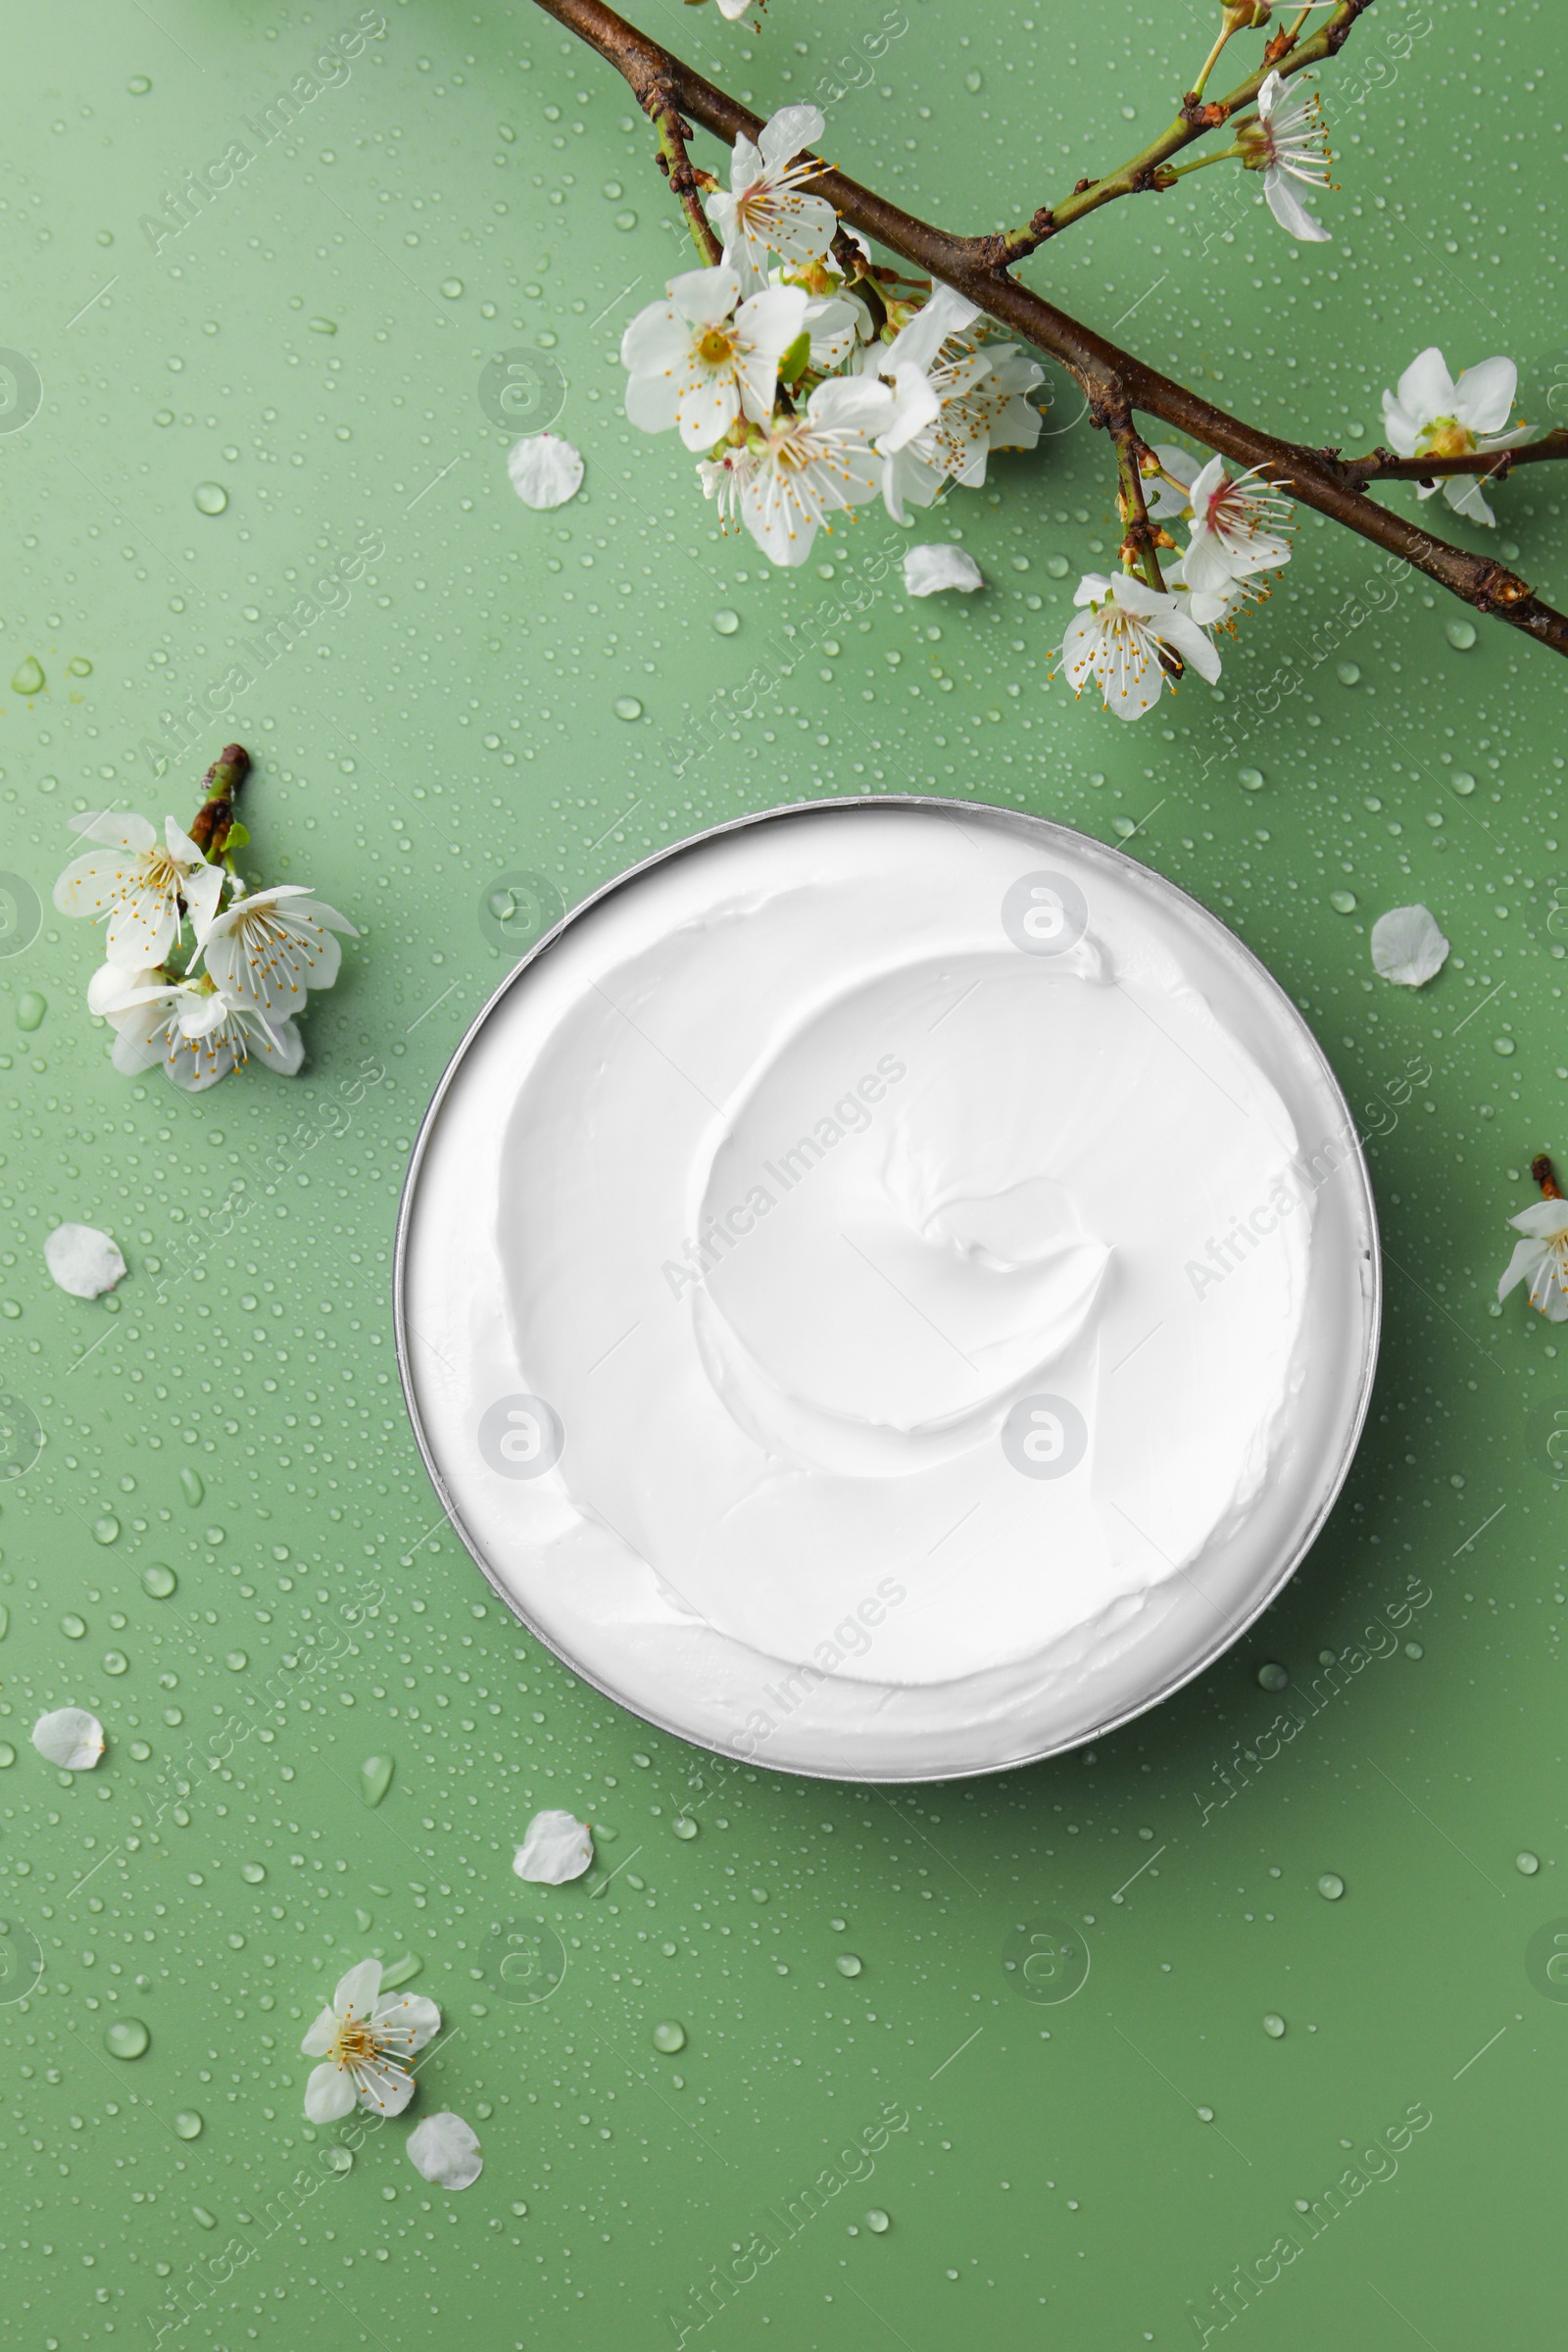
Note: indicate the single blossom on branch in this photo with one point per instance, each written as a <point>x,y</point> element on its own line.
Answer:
<point>203,1005</point>
<point>897,381</point>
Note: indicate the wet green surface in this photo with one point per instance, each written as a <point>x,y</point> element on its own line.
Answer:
<point>226,1547</point>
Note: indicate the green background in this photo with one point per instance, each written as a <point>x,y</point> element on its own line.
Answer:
<point>476,185</point>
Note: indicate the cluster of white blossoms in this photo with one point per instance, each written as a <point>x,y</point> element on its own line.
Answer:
<point>805,392</point>
<point>259,952</point>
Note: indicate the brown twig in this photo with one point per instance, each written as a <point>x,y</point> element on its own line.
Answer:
<point>1111,378</point>
<point>1382,466</point>
<point>213,820</point>
<point>660,107</point>
<point>1139,536</point>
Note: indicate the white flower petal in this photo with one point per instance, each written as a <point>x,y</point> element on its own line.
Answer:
<point>704,296</point>
<point>1426,389</point>
<point>404,2023</point>
<point>329,2096</point>
<point>1467,496</point>
<point>359,1989</point>
<point>1291,213</point>
<point>119,826</point>
<point>83,1260</point>
<point>1545,1220</point>
<point>555,1847</point>
<point>927,570</point>
<point>1484,396</point>
<point>318,2039</point>
<point>69,1738</point>
<point>386,2088</point>
<point>787,132</point>
<point>1407,947</point>
<point>545,470</point>
<point>444,2150</point>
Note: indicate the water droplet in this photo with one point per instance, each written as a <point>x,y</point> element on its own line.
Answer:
<point>519,2210</point>
<point>452,287</point>
<point>1414,1649</point>
<point>877,2219</point>
<point>5,1621</point>
<point>191,1487</point>
<point>1271,1677</point>
<point>1462,635</point>
<point>323,326</point>
<point>79,667</point>
<point>973,82</point>
<point>849,1964</point>
<point>338,2160</point>
<point>1504,1046</point>
<point>684,1827</point>
<point>1251,779</point>
<point>116,1661</point>
<point>669,2037</point>
<point>1349,673</point>
<point>253,1873</point>
<point>72,1628</point>
<point>208,2221</point>
<point>628,707</point>
<point>158,1580</point>
<point>1463,782</point>
<point>1274,2026</point>
<point>726,622</point>
<point>138,85</point>
<point>626,221</point>
<point>127,2038</point>
<point>28,680</point>
<point>1057,567</point>
<point>236,1660</point>
<point>1330,1885</point>
<point>211,497</point>
<point>1206,2115</point>
<point>31,1009</point>
<point>402,1972</point>
<point>365,1921</point>
<point>107,1529</point>
<point>1528,1863</point>
<point>8,1755</point>
<point>188,2124</point>
<point>1126,826</point>
<point>1342,902</point>
<point>375,1778</point>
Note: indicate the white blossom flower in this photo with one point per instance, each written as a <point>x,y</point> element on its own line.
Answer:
<point>927,570</point>
<point>69,1738</point>
<point>1541,1258</point>
<point>1124,639</point>
<point>269,946</point>
<point>723,480</point>
<point>1407,947</point>
<point>546,470</point>
<point>700,363</point>
<point>1287,142</point>
<point>139,883</point>
<point>555,1847</point>
<point>199,1034</point>
<point>443,2148</point>
<point>1216,607</point>
<point>837,323</point>
<point>815,465</point>
<point>83,1260</point>
<point>1430,415</point>
<point>365,2042</point>
<point>1233,533</point>
<point>974,402</point>
<point>763,210</point>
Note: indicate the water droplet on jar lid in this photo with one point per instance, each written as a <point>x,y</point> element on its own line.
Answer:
<point>236,1660</point>
<point>1271,1677</point>
<point>973,82</point>
<point>191,1487</point>
<point>1504,1046</point>
<point>72,1628</point>
<point>452,287</point>
<point>1527,1863</point>
<point>1342,902</point>
<point>158,1580</point>
<point>375,1778</point>
<point>877,2219</point>
<point>253,1873</point>
<point>1462,635</point>
<point>1206,2115</point>
<point>1251,779</point>
<point>849,1964</point>
<point>669,2037</point>
<point>116,1661</point>
<point>107,1529</point>
<point>138,85</point>
<point>1463,782</point>
<point>127,2038</point>
<point>1349,673</point>
<point>726,622</point>
<point>188,2124</point>
<point>1330,1885</point>
<point>628,707</point>
<point>1274,2026</point>
<point>27,679</point>
<point>323,326</point>
<point>211,497</point>
<point>31,1009</point>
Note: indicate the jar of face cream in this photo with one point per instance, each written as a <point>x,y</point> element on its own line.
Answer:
<point>888,1290</point>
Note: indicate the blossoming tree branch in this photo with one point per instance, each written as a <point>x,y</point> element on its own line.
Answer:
<point>806,377</point>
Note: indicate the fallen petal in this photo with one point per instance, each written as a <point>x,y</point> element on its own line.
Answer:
<point>69,1738</point>
<point>444,2150</point>
<point>1407,947</point>
<point>929,569</point>
<point>83,1260</point>
<point>555,1847</point>
<point>545,471</point>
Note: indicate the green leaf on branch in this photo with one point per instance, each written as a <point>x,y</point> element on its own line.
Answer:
<point>793,366</point>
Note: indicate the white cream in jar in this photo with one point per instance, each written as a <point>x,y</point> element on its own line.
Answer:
<point>889,1290</point>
